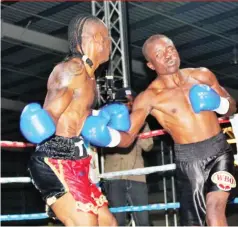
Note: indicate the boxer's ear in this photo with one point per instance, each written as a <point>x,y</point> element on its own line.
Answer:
<point>98,37</point>
<point>150,65</point>
<point>98,41</point>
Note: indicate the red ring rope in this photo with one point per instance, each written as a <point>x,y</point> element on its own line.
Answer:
<point>141,136</point>
<point>15,144</point>
<point>162,131</point>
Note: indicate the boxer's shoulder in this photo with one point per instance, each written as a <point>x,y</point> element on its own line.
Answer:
<point>144,99</point>
<point>150,92</point>
<point>203,75</point>
<point>193,72</point>
<point>198,75</point>
<point>64,72</point>
<point>156,87</point>
<point>74,67</point>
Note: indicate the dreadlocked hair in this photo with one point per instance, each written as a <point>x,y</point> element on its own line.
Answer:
<point>75,30</point>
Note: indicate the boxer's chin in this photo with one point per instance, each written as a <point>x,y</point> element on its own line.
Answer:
<point>172,69</point>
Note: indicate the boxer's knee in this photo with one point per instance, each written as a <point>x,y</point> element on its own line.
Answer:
<point>216,201</point>
<point>105,217</point>
<point>216,206</point>
<point>215,213</point>
<point>114,221</point>
<point>66,211</point>
<point>110,221</point>
<point>81,220</point>
<point>214,216</point>
<point>67,221</point>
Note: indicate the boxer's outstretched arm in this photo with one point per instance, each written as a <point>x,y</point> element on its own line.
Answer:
<point>141,109</point>
<point>207,77</point>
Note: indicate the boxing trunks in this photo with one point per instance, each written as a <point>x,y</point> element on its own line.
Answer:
<point>201,168</point>
<point>60,165</point>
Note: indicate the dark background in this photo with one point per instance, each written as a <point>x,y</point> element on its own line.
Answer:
<point>205,33</point>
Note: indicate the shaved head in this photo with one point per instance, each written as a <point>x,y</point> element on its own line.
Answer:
<point>150,41</point>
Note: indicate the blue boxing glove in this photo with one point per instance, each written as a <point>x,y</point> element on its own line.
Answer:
<point>119,116</point>
<point>36,124</point>
<point>204,98</point>
<point>100,129</point>
<point>96,131</point>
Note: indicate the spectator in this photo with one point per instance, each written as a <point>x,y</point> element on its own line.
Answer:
<point>127,190</point>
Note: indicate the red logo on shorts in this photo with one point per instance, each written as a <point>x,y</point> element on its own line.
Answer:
<point>224,180</point>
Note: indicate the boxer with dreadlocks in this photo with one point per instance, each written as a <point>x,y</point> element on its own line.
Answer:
<point>60,165</point>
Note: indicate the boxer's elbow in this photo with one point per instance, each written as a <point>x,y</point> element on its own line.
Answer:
<point>126,140</point>
<point>232,107</point>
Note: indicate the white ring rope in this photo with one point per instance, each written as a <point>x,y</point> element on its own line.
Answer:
<point>139,171</point>
<point>234,124</point>
<point>6,180</point>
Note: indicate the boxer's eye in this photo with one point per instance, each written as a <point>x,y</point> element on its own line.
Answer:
<point>171,49</point>
<point>159,54</point>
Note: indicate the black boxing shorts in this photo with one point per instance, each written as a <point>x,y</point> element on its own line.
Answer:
<point>61,165</point>
<point>201,168</point>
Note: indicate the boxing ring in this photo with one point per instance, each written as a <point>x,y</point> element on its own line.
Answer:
<point>232,132</point>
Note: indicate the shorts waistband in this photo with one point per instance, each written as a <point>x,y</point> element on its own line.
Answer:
<point>201,150</point>
<point>62,148</point>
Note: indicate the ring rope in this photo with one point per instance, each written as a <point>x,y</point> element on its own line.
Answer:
<point>139,171</point>
<point>20,217</point>
<point>16,144</point>
<point>17,217</point>
<point>162,131</point>
<point>134,172</point>
<point>159,206</point>
<point>141,136</point>
<point>6,180</point>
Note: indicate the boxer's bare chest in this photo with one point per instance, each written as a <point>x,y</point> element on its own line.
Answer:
<point>172,105</point>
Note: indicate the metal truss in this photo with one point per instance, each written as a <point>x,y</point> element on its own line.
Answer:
<point>113,13</point>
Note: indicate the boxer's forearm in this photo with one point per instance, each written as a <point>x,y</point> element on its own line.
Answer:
<point>126,139</point>
<point>142,107</point>
<point>232,107</point>
<point>137,121</point>
<point>225,94</point>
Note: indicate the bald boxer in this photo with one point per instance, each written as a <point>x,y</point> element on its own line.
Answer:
<point>185,102</point>
<point>60,165</point>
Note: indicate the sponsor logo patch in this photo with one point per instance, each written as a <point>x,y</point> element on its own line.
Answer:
<point>224,180</point>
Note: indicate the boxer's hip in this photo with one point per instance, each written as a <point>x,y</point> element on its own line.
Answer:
<point>198,166</point>
<point>214,146</point>
<point>55,177</point>
<point>62,148</point>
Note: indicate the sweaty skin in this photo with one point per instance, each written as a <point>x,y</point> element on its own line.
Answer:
<point>167,98</point>
<point>71,91</point>
<point>72,86</point>
<point>68,99</point>
<point>174,112</point>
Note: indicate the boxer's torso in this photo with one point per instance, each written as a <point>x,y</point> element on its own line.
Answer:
<point>172,109</point>
<point>70,96</point>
